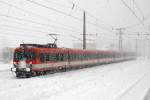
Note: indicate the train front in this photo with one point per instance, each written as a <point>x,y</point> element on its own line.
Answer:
<point>23,61</point>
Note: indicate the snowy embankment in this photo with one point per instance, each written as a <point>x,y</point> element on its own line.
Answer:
<point>121,81</point>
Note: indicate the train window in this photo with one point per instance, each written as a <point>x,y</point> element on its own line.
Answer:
<point>22,55</point>
<point>72,57</point>
<point>79,56</point>
<point>42,57</point>
<point>65,57</point>
<point>47,58</point>
<point>100,55</point>
<point>61,57</point>
<point>58,57</point>
<point>52,57</point>
<point>30,55</point>
<point>18,56</point>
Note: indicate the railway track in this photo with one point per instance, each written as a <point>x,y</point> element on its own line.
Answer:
<point>132,86</point>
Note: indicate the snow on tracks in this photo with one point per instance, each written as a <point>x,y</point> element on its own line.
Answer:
<point>106,82</point>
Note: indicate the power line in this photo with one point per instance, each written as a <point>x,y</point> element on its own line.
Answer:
<point>137,24</point>
<point>26,29</point>
<point>53,9</point>
<point>137,6</point>
<point>33,26</point>
<point>58,4</point>
<point>24,35</point>
<point>132,26</point>
<point>37,15</point>
<point>134,14</point>
<point>138,33</point>
<point>88,13</point>
<point>23,31</point>
<point>20,35</point>
<point>22,24</point>
<point>31,21</point>
<point>50,8</point>
<point>81,9</point>
<point>76,37</point>
<point>18,31</point>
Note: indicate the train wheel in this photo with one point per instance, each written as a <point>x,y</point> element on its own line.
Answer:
<point>64,69</point>
<point>34,73</point>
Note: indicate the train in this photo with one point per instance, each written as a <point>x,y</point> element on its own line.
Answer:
<point>39,59</point>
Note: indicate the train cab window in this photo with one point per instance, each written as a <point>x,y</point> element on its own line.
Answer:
<point>26,55</point>
<point>18,56</point>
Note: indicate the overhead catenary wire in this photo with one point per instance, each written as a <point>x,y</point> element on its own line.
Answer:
<point>33,26</point>
<point>22,28</point>
<point>17,33</point>
<point>44,17</point>
<point>134,14</point>
<point>35,32</point>
<point>58,4</point>
<point>24,35</point>
<point>137,24</point>
<point>137,6</point>
<point>37,15</point>
<point>92,23</point>
<point>127,27</point>
<point>15,22</point>
<point>66,14</point>
<point>53,9</point>
<point>88,13</point>
<point>31,21</point>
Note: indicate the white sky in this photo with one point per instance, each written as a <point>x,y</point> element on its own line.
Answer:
<point>38,21</point>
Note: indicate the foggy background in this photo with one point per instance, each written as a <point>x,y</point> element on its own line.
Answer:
<point>30,21</point>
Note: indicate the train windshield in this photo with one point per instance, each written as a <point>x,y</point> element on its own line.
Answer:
<point>26,55</point>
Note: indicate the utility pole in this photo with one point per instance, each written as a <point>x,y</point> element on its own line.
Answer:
<point>84,30</point>
<point>120,37</point>
<point>136,45</point>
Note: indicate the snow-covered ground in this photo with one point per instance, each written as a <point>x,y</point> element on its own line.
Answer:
<point>121,81</point>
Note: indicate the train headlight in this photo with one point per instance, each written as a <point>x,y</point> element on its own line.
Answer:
<point>22,64</point>
<point>13,69</point>
<point>27,69</point>
<point>14,63</point>
<point>30,62</point>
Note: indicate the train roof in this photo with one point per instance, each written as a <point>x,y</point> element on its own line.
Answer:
<point>54,48</point>
<point>49,45</point>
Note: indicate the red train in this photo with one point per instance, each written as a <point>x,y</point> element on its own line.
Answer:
<point>35,59</point>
